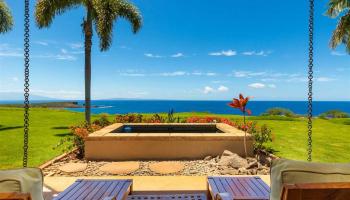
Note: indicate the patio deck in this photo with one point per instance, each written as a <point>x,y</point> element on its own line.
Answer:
<point>141,184</point>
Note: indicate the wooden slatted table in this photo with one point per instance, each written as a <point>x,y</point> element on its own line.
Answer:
<point>97,190</point>
<point>238,188</point>
<point>194,196</point>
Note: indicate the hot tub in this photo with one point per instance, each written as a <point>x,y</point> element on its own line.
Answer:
<point>168,141</point>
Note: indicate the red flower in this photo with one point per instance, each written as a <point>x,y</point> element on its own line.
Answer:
<point>241,104</point>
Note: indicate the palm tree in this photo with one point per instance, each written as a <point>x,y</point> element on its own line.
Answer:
<point>102,13</point>
<point>341,9</point>
<point>6,21</point>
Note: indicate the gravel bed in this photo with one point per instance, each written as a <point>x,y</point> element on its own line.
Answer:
<point>208,167</point>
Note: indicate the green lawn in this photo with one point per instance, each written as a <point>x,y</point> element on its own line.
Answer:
<point>48,127</point>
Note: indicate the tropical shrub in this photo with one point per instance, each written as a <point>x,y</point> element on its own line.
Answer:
<point>156,118</point>
<point>334,114</point>
<point>279,112</point>
<point>77,139</point>
<point>128,118</point>
<point>241,104</point>
<point>210,120</point>
<point>102,121</point>
<point>171,118</point>
<point>262,135</point>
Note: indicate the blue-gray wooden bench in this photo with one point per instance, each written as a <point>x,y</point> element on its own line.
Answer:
<point>238,188</point>
<point>97,190</point>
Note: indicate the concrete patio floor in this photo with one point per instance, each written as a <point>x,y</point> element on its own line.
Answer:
<point>141,184</point>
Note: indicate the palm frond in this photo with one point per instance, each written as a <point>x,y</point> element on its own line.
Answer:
<point>131,13</point>
<point>46,10</point>
<point>107,12</point>
<point>335,7</point>
<point>104,19</point>
<point>6,21</point>
<point>341,33</point>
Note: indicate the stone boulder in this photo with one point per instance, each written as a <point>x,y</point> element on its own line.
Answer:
<point>229,159</point>
<point>227,153</point>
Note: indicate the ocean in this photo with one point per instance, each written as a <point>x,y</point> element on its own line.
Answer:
<point>217,107</point>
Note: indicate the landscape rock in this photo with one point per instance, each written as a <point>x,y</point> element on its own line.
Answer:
<point>253,164</point>
<point>229,171</point>
<point>234,160</point>
<point>189,167</point>
<point>227,153</point>
<point>73,167</point>
<point>207,158</point>
<point>242,171</point>
<point>120,167</point>
<point>166,167</point>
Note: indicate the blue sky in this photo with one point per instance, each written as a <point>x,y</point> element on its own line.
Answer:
<point>187,49</point>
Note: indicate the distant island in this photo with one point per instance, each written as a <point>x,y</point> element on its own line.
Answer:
<point>69,104</point>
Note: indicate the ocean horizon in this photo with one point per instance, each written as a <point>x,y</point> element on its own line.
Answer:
<point>212,106</point>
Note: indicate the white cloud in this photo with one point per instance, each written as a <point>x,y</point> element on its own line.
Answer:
<point>241,74</point>
<point>271,86</point>
<point>224,53</point>
<point>218,81</point>
<point>177,55</point>
<point>223,88</point>
<point>76,45</point>
<point>297,79</point>
<point>336,53</point>
<point>324,79</point>
<point>149,55</point>
<point>15,79</point>
<point>208,90</point>
<point>269,80</point>
<point>8,51</point>
<point>124,47</point>
<point>132,74</point>
<point>256,53</point>
<point>198,73</point>
<point>57,56</point>
<point>210,74</point>
<point>166,74</point>
<point>341,69</point>
<point>257,85</point>
<point>177,73</point>
<point>42,43</point>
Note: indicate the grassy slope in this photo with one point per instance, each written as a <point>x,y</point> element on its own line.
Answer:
<point>331,138</point>
<point>47,127</point>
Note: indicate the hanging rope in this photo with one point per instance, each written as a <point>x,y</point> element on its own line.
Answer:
<point>310,77</point>
<point>26,82</point>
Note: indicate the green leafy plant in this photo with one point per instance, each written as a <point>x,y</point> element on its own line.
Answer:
<point>279,112</point>
<point>334,114</point>
<point>262,136</point>
<point>128,118</point>
<point>171,118</point>
<point>156,118</point>
<point>77,139</point>
<point>102,121</point>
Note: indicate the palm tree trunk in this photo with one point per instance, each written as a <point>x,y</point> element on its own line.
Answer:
<point>88,44</point>
<point>245,136</point>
